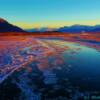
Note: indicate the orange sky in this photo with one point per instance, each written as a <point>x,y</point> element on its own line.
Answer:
<point>54,24</point>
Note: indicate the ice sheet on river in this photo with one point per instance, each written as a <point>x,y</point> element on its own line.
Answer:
<point>16,54</point>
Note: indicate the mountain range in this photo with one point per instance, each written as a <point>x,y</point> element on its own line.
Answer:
<point>79,28</point>
<point>43,29</point>
<point>69,29</point>
<point>5,26</point>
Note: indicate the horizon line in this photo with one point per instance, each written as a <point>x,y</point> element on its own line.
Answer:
<point>56,24</point>
<point>53,23</point>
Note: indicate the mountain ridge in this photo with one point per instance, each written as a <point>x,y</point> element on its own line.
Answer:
<point>5,26</point>
<point>70,29</point>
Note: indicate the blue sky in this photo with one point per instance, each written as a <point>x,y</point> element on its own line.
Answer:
<point>48,12</point>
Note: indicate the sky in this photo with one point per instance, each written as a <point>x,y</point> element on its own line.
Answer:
<point>50,13</point>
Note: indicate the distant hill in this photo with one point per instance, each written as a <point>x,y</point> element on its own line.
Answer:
<point>79,29</point>
<point>43,29</point>
<point>69,29</point>
<point>7,27</point>
<point>32,30</point>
